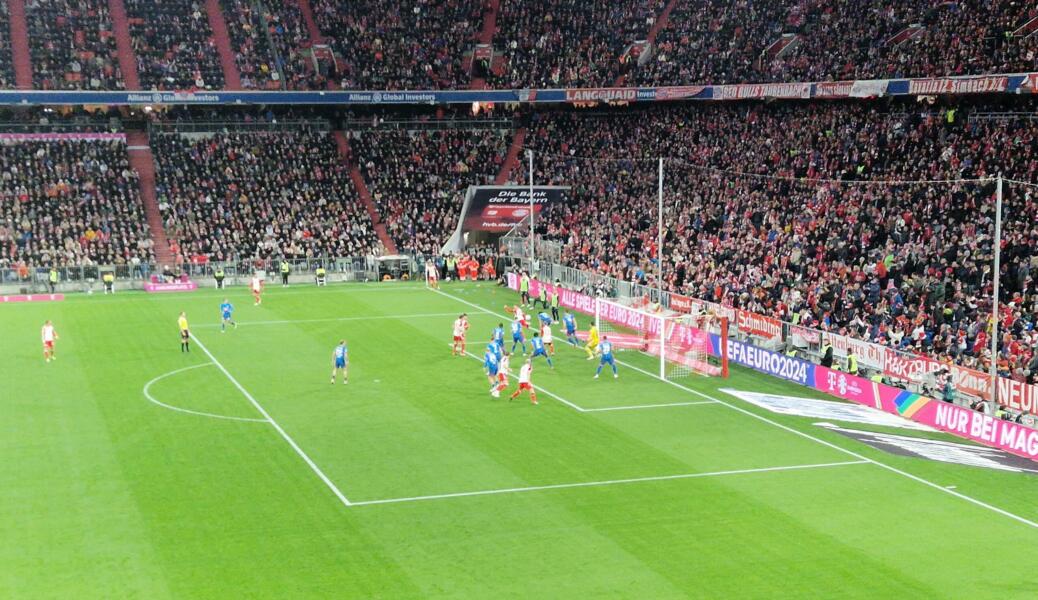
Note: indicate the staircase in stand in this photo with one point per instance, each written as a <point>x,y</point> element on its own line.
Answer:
<point>362,191</point>
<point>231,76</point>
<point>20,57</point>
<point>661,22</point>
<point>311,24</point>
<point>486,39</point>
<point>124,44</point>
<point>143,162</point>
<point>512,158</point>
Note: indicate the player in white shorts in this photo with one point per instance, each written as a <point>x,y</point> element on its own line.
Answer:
<point>49,336</point>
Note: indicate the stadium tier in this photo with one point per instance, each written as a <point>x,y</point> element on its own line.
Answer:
<point>243,196</point>
<point>418,178</point>
<point>70,201</point>
<point>373,45</point>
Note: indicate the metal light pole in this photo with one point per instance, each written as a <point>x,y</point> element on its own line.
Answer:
<point>529,154</point>
<point>994,294</point>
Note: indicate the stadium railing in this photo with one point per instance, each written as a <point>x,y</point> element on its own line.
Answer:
<point>785,336</point>
<point>86,278</point>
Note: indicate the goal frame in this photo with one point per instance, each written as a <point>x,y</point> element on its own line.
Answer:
<point>658,326</point>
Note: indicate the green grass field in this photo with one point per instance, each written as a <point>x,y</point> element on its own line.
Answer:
<point>412,482</point>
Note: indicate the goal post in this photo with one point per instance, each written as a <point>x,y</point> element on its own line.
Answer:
<point>679,344</point>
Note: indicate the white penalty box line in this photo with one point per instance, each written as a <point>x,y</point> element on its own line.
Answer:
<point>259,408</point>
<point>818,440</point>
<point>563,486</point>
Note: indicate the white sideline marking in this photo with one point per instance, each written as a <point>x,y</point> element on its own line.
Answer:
<point>560,486</point>
<point>638,406</point>
<point>147,394</point>
<point>539,388</point>
<point>802,434</point>
<point>266,415</point>
<point>334,319</point>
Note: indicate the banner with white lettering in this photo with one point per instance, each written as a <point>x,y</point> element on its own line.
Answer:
<point>758,325</point>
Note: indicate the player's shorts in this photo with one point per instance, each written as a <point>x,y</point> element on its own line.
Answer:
<point>492,371</point>
<point>525,386</point>
<point>540,352</point>
<point>548,340</point>
<point>571,332</point>
<point>608,360</point>
<point>49,345</point>
<point>340,363</point>
<point>185,334</point>
<point>501,377</point>
<point>459,338</point>
<point>226,316</point>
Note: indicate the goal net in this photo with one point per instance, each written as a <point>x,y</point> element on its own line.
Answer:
<point>679,344</point>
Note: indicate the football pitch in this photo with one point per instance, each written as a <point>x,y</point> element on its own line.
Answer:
<point>132,470</point>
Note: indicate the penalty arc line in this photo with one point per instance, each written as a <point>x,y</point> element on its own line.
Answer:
<point>561,486</point>
<point>153,400</point>
<point>306,458</point>
<point>892,469</point>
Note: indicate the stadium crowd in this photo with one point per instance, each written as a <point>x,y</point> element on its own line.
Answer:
<point>6,62</point>
<point>731,42</point>
<point>65,202</point>
<point>553,43</point>
<point>416,45</point>
<point>240,196</point>
<point>418,179</point>
<point>907,266</point>
<point>72,45</point>
<point>174,45</point>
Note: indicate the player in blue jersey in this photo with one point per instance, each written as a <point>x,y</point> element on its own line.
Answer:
<point>490,362</point>
<point>497,347</point>
<point>570,322</point>
<point>538,349</point>
<point>227,309</point>
<point>605,348</point>
<point>341,361</point>
<point>498,335</point>
<point>544,318</point>
<point>517,336</point>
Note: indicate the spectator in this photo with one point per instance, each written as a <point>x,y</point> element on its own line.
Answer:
<point>174,45</point>
<point>72,45</point>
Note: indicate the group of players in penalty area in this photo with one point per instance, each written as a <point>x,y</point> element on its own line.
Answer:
<point>340,354</point>
<point>497,361</point>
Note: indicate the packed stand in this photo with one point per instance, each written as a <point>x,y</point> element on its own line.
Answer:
<point>717,42</point>
<point>728,42</point>
<point>418,179</point>
<point>6,63</point>
<point>557,43</point>
<point>243,196</point>
<point>907,266</point>
<point>72,45</point>
<point>253,54</point>
<point>413,45</point>
<point>70,202</point>
<point>966,37</point>
<point>284,22</point>
<point>174,45</point>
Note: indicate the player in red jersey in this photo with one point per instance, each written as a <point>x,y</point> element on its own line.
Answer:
<point>503,371</point>
<point>257,289</point>
<point>461,325</point>
<point>432,275</point>
<point>525,383</point>
<point>49,336</point>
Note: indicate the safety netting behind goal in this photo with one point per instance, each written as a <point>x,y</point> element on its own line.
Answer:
<point>680,342</point>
